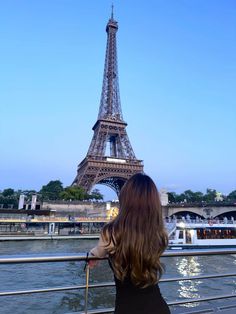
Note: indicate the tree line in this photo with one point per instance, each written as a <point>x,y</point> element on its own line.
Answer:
<point>50,192</point>
<point>210,196</point>
<point>54,191</point>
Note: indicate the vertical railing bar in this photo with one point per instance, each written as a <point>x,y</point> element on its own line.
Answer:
<point>86,290</point>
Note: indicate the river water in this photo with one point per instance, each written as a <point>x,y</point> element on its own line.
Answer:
<point>45,275</point>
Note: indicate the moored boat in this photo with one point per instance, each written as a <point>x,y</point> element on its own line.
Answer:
<point>203,234</point>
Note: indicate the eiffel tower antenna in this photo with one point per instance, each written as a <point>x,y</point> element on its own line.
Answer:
<point>112,9</point>
<point>110,159</point>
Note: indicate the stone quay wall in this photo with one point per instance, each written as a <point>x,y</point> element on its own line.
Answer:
<point>83,209</point>
<point>76,209</point>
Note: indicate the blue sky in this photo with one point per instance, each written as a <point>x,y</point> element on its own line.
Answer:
<point>177,75</point>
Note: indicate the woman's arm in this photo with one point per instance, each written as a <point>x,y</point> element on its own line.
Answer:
<point>100,250</point>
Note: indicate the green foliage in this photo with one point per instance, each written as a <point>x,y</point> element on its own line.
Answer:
<point>51,191</point>
<point>232,196</point>
<point>54,191</point>
<point>192,197</point>
<point>8,192</point>
<point>8,201</point>
<point>199,196</point>
<point>9,197</point>
<point>96,195</point>
<point>77,193</point>
<point>73,193</point>
<point>210,195</point>
<point>189,196</point>
<point>172,197</point>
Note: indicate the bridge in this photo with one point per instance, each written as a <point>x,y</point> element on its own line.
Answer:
<point>203,210</point>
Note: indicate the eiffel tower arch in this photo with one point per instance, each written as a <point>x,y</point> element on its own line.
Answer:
<point>110,159</point>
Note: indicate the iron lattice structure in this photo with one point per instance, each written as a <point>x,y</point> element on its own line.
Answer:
<point>110,159</point>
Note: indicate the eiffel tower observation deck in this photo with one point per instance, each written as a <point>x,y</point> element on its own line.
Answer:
<point>110,159</point>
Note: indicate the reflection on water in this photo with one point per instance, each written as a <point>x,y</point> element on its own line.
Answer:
<point>189,266</point>
<point>73,301</point>
<point>234,283</point>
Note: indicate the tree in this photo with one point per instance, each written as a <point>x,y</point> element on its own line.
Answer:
<point>8,192</point>
<point>51,191</point>
<point>210,195</point>
<point>180,198</point>
<point>74,193</point>
<point>175,198</point>
<point>8,197</point>
<point>189,196</point>
<point>232,196</point>
<point>96,195</point>
<point>193,197</point>
<point>172,197</point>
<point>199,196</point>
<point>77,193</point>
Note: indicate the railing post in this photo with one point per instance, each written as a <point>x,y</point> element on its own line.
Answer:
<point>86,289</point>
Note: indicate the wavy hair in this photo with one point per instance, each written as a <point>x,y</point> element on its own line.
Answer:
<point>136,237</point>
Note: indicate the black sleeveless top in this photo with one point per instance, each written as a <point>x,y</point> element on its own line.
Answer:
<point>131,299</point>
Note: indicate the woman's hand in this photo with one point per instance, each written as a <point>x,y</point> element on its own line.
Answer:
<point>93,263</point>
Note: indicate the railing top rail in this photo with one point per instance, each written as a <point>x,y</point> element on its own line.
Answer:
<point>109,284</point>
<point>83,256</point>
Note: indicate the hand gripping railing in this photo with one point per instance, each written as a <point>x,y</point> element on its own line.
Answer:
<point>85,258</point>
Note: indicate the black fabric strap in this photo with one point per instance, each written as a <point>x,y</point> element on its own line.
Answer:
<point>86,261</point>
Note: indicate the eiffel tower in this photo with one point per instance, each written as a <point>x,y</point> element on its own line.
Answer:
<point>110,159</point>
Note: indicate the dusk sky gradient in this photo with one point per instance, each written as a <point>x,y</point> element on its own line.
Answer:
<point>177,77</point>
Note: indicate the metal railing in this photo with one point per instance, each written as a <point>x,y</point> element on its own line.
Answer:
<point>84,258</point>
<point>53,219</point>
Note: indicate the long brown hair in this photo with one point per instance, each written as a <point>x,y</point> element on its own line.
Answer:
<point>136,237</point>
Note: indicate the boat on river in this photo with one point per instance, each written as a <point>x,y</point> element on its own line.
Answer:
<point>206,234</point>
